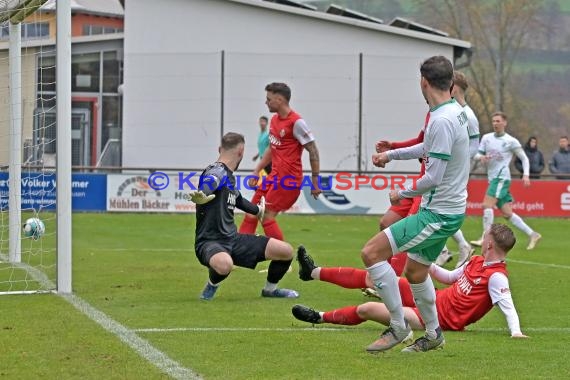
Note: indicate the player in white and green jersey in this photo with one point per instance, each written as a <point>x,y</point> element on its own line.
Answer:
<point>443,187</point>
<point>496,151</point>
<point>458,90</point>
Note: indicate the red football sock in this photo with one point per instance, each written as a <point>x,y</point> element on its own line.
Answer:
<point>398,262</point>
<point>350,278</point>
<point>248,226</point>
<point>271,229</point>
<point>344,316</point>
<point>406,293</point>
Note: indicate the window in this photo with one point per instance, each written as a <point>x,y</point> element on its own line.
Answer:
<point>89,30</point>
<point>111,123</point>
<point>96,29</point>
<point>29,30</point>
<point>112,70</point>
<point>85,72</point>
<point>5,32</point>
<point>35,30</point>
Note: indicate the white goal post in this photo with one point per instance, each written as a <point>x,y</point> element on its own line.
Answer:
<point>29,265</point>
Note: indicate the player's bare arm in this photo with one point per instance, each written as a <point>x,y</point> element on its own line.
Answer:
<point>311,147</point>
<point>265,160</point>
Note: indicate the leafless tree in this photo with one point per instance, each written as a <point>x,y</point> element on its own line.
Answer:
<point>498,29</point>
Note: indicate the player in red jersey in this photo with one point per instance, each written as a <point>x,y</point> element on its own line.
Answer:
<point>288,136</point>
<point>475,288</point>
<point>407,206</point>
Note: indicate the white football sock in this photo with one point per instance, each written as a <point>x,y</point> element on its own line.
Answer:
<point>488,217</point>
<point>424,295</point>
<point>386,284</point>
<point>520,224</point>
<point>316,273</point>
<point>460,239</point>
<point>269,286</point>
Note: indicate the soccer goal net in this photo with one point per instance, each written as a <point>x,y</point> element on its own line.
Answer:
<point>28,224</point>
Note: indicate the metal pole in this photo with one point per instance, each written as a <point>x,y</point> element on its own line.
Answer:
<point>63,166</point>
<point>15,171</point>
<point>360,64</point>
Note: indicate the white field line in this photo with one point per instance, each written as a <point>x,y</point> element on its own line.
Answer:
<point>560,266</point>
<point>509,260</point>
<point>127,336</point>
<point>99,249</point>
<point>131,339</point>
<point>325,329</point>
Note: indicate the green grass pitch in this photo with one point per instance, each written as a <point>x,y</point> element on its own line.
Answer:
<point>140,269</point>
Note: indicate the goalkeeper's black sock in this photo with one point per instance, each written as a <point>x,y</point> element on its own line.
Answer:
<point>277,270</point>
<point>215,278</point>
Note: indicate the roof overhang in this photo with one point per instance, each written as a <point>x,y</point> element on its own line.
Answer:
<point>355,22</point>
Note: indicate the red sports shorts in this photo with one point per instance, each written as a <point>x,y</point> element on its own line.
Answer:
<point>277,198</point>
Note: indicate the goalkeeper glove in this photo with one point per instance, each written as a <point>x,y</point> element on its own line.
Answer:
<point>261,206</point>
<point>200,198</point>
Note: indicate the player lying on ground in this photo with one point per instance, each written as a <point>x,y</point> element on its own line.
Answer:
<point>475,288</point>
<point>218,244</point>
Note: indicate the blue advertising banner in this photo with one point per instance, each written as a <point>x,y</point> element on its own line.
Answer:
<point>89,191</point>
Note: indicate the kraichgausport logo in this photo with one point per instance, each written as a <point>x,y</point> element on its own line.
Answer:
<point>338,182</point>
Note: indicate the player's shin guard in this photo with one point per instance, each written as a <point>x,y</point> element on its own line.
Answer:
<point>488,217</point>
<point>386,283</point>
<point>277,270</point>
<point>424,295</point>
<point>343,316</point>
<point>350,278</point>
<point>248,226</point>
<point>271,229</point>
<point>215,278</point>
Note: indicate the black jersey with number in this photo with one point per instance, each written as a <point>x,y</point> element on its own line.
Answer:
<point>215,219</point>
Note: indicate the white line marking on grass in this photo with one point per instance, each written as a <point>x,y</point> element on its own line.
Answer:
<point>509,260</point>
<point>242,329</point>
<point>539,264</point>
<point>140,249</point>
<point>525,329</point>
<point>129,337</point>
<point>36,274</point>
<point>325,329</point>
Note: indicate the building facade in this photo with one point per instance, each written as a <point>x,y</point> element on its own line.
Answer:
<point>97,50</point>
<point>202,70</point>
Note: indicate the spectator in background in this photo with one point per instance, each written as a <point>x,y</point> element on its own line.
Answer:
<point>560,163</point>
<point>535,158</point>
<point>263,142</point>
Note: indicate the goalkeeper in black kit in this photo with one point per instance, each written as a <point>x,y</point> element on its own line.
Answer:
<point>218,244</point>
